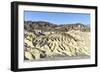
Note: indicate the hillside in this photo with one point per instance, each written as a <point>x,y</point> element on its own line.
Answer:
<point>44,40</point>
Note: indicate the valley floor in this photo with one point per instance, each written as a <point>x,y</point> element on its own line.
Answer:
<point>62,58</point>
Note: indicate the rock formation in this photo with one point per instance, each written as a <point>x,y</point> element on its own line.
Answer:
<point>47,40</point>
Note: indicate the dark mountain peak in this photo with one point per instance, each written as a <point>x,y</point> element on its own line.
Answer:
<point>39,22</point>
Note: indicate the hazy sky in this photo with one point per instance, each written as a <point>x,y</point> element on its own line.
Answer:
<point>57,17</point>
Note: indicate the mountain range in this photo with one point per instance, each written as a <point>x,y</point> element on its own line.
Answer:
<point>47,26</point>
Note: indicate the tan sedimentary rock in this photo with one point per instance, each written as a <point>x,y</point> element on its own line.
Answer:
<point>71,43</point>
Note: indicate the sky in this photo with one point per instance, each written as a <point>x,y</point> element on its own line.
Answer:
<point>57,17</point>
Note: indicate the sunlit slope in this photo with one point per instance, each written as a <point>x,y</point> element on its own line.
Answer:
<point>52,44</point>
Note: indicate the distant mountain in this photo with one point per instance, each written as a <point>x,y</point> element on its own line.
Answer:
<point>47,26</point>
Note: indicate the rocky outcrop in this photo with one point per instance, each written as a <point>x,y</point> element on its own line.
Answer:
<point>48,45</point>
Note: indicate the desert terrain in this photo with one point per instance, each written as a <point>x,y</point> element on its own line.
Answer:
<point>48,41</point>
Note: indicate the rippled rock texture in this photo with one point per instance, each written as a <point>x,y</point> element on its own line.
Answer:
<point>56,42</point>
